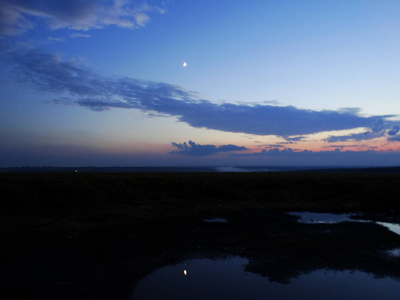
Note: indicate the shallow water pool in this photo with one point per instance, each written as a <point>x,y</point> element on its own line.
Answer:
<point>226,279</point>
<point>329,218</point>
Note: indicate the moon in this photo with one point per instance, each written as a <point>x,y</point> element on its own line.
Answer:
<point>184,64</point>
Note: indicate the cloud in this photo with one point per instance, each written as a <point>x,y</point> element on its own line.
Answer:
<point>395,138</point>
<point>288,152</point>
<point>78,35</point>
<point>344,146</point>
<point>18,16</point>
<point>55,39</point>
<point>393,134</point>
<point>378,129</point>
<point>379,126</point>
<point>367,135</point>
<point>352,110</point>
<point>50,73</point>
<point>288,157</point>
<point>394,130</point>
<point>191,148</point>
<point>295,139</point>
<point>274,146</point>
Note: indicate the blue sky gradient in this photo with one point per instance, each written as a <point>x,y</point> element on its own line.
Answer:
<point>266,82</point>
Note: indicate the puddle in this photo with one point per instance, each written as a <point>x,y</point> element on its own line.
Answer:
<point>391,226</point>
<point>329,218</point>
<point>215,220</point>
<point>226,279</point>
<point>394,252</point>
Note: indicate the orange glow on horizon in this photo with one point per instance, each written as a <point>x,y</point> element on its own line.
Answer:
<point>378,144</point>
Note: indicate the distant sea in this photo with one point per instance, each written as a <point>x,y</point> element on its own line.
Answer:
<point>90,169</point>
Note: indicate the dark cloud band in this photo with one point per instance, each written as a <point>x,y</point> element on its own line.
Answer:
<point>193,149</point>
<point>85,88</point>
<point>16,16</point>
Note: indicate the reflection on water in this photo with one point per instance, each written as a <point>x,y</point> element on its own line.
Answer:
<point>311,217</point>
<point>391,226</point>
<point>394,252</point>
<point>226,279</point>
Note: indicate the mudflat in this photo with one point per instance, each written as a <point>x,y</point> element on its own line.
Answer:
<point>95,235</point>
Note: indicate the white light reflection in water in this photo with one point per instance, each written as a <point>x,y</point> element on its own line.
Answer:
<point>226,279</point>
<point>391,226</point>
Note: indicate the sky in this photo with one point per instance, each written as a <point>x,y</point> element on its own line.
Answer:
<point>199,82</point>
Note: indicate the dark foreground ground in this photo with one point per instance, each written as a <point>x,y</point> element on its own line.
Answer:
<point>94,235</point>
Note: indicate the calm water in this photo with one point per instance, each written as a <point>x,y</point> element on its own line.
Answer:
<point>312,217</point>
<point>226,279</point>
<point>205,278</point>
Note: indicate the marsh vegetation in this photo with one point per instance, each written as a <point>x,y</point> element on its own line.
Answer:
<point>95,235</point>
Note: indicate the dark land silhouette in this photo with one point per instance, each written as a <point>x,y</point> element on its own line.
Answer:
<point>94,235</point>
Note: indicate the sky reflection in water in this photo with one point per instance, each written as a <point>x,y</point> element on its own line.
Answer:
<point>329,218</point>
<point>204,278</point>
<point>226,279</point>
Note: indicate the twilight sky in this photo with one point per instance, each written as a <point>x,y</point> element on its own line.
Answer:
<point>266,82</point>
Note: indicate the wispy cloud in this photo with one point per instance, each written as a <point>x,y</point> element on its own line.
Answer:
<point>191,148</point>
<point>367,135</point>
<point>394,130</point>
<point>49,73</point>
<point>344,146</point>
<point>379,129</point>
<point>55,39</point>
<point>79,35</point>
<point>295,138</point>
<point>18,16</point>
<point>273,146</point>
<point>395,138</point>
